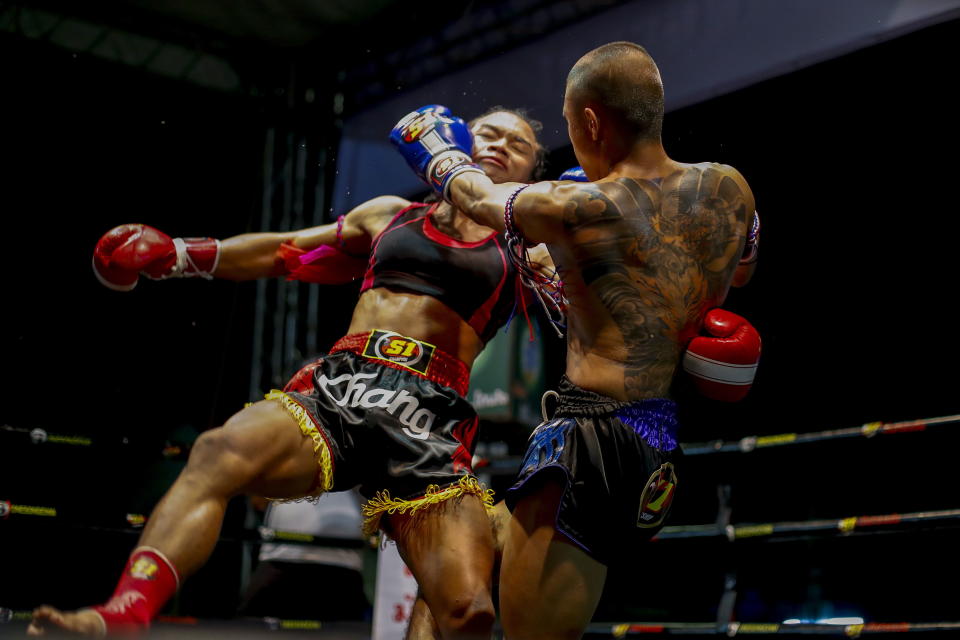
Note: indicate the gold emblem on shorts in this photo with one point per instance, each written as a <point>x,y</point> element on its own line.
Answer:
<point>407,352</point>
<point>657,497</point>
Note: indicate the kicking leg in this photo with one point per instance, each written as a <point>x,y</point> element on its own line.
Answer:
<point>259,450</point>
<point>549,588</point>
<point>449,549</point>
<point>422,625</point>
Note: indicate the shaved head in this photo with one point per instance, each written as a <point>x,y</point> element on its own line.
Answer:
<point>622,79</point>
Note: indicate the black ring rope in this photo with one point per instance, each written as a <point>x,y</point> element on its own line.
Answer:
<point>260,534</point>
<point>868,430</point>
<point>732,629</point>
<point>807,528</point>
<point>596,629</point>
<point>743,445</point>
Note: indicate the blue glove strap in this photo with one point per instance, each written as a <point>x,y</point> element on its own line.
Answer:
<point>575,173</point>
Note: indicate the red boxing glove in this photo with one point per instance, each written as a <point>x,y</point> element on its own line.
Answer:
<point>127,251</point>
<point>723,364</point>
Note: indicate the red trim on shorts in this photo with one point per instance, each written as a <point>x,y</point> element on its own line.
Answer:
<point>302,380</point>
<point>444,369</point>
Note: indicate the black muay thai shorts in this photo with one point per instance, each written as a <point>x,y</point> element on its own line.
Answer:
<point>386,413</point>
<point>616,462</point>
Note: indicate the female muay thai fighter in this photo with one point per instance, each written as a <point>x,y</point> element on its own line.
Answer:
<point>384,409</point>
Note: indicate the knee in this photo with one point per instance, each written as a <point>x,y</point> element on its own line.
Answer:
<point>209,448</point>
<point>471,617</point>
<point>216,453</point>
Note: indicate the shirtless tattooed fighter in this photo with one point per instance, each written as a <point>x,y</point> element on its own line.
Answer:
<point>646,251</point>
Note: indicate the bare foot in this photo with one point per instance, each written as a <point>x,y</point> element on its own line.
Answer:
<point>85,622</point>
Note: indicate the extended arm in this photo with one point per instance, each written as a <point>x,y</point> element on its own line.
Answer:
<point>261,255</point>
<point>537,209</point>
<point>127,251</point>
<point>437,147</point>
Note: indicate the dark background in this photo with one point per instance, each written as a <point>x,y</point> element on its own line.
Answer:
<point>851,162</point>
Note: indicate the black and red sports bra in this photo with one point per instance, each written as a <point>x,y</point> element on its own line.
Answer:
<point>475,279</point>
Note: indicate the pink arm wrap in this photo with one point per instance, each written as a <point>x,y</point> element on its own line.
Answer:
<point>323,265</point>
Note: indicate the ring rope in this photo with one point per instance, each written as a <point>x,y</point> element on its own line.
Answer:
<point>510,463</point>
<point>868,430</point>
<point>731,629</point>
<point>733,532</point>
<point>594,630</point>
<point>266,623</point>
<point>840,526</point>
<point>260,534</point>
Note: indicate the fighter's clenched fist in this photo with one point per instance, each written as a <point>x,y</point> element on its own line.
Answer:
<point>127,251</point>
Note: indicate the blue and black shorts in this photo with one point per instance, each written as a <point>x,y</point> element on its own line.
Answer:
<point>617,463</point>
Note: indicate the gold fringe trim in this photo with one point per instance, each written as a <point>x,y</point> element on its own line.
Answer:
<point>320,448</point>
<point>382,503</point>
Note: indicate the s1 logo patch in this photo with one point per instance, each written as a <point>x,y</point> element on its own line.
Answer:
<point>393,347</point>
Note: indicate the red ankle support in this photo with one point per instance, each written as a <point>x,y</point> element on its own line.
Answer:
<point>148,581</point>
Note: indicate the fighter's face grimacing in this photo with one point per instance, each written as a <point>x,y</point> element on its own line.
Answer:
<point>505,147</point>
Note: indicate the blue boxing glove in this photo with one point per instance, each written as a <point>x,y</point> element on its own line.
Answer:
<point>576,174</point>
<point>436,144</point>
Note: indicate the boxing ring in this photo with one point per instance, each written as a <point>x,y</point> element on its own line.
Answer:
<point>722,532</point>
